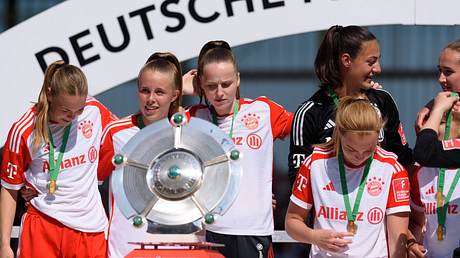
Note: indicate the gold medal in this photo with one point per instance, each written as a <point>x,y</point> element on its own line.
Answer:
<point>440,232</point>
<point>52,187</point>
<point>439,199</point>
<point>352,227</point>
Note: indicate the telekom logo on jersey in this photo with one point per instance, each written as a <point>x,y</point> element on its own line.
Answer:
<point>74,161</point>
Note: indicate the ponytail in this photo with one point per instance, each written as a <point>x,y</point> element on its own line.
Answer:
<point>168,63</point>
<point>337,41</point>
<point>213,52</point>
<point>59,78</point>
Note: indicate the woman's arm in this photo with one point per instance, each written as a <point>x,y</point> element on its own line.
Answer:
<point>397,225</point>
<point>415,247</point>
<point>328,240</point>
<point>8,200</point>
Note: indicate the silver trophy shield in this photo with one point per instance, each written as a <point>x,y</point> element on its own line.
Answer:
<point>176,174</point>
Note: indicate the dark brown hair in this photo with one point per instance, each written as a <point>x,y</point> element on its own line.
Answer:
<point>336,41</point>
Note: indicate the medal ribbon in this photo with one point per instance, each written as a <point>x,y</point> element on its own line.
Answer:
<point>55,167</point>
<point>351,215</point>
<point>441,203</point>
<point>140,121</point>
<point>332,94</point>
<point>235,112</point>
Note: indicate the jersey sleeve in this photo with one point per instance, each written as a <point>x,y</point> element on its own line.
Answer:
<point>303,135</point>
<point>431,152</point>
<point>302,191</point>
<point>399,194</point>
<point>394,132</point>
<point>415,199</point>
<point>105,166</point>
<point>280,119</point>
<point>106,115</point>
<point>15,161</point>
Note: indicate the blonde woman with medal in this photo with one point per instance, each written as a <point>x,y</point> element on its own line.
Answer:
<point>53,148</point>
<point>435,192</point>
<point>253,125</point>
<point>358,192</point>
<point>159,94</point>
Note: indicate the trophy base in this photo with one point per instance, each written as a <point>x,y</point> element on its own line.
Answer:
<point>169,250</point>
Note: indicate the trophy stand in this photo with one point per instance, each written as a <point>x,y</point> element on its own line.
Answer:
<point>175,176</point>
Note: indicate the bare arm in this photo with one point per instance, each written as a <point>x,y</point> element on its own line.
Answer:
<point>8,200</point>
<point>397,225</point>
<point>329,240</point>
<point>414,238</point>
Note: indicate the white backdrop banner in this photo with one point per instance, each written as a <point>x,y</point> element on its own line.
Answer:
<point>111,39</point>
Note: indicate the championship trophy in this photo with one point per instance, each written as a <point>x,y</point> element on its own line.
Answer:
<point>176,175</point>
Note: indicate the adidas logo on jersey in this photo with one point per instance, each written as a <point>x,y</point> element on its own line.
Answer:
<point>330,124</point>
<point>430,191</point>
<point>329,187</point>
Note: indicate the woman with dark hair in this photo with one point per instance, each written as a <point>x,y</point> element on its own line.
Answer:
<point>346,63</point>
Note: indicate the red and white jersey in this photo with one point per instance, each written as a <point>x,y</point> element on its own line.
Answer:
<point>424,186</point>
<point>121,230</point>
<point>76,202</point>
<point>386,192</point>
<point>258,123</point>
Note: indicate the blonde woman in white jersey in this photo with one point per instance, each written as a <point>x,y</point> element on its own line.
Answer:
<point>358,191</point>
<point>159,94</point>
<point>435,193</point>
<point>253,125</point>
<point>53,148</point>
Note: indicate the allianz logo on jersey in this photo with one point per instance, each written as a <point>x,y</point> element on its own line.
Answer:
<point>74,161</point>
<point>430,208</point>
<point>374,216</point>
<point>253,141</point>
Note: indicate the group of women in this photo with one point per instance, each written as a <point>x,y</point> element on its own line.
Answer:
<point>348,158</point>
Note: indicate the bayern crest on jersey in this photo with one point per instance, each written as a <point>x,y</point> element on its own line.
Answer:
<point>374,186</point>
<point>251,121</point>
<point>86,128</point>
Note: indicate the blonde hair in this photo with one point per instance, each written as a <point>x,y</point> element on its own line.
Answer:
<point>354,114</point>
<point>166,62</point>
<point>454,45</point>
<point>59,78</point>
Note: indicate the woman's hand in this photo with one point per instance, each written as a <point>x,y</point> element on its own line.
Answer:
<point>6,251</point>
<point>273,201</point>
<point>331,240</point>
<point>376,85</point>
<point>422,116</point>
<point>444,101</point>
<point>28,193</point>
<point>190,84</point>
<point>415,250</point>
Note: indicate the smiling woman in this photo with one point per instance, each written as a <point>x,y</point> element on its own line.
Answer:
<point>346,63</point>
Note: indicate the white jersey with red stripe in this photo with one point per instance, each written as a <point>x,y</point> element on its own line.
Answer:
<point>386,192</point>
<point>121,230</point>
<point>257,124</point>
<point>76,203</point>
<point>423,195</point>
